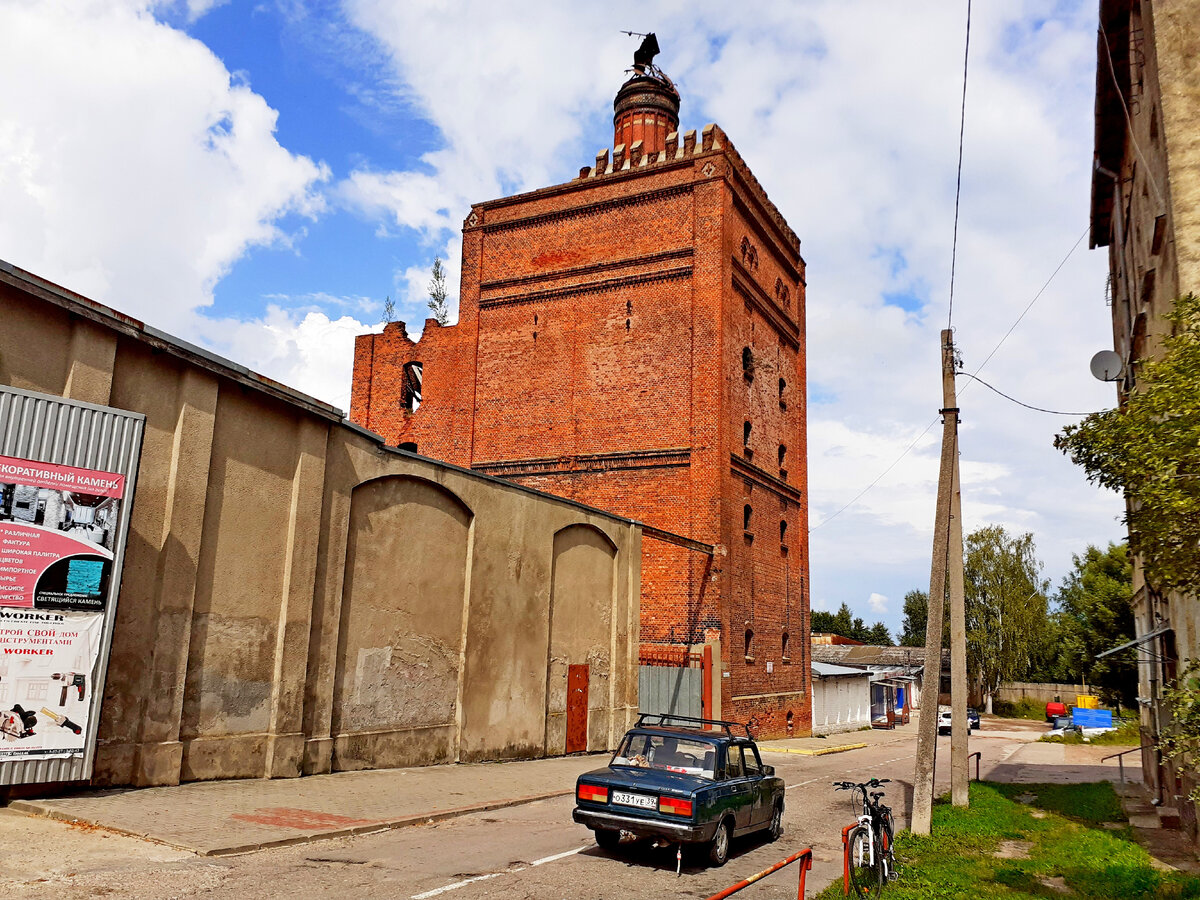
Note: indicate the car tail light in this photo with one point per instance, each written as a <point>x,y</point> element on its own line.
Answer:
<point>675,806</point>
<point>593,793</point>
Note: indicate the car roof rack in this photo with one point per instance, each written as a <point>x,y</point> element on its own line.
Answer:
<point>661,719</point>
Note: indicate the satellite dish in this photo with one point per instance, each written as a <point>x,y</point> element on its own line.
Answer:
<point>1106,365</point>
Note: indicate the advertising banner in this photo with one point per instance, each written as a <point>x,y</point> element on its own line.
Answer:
<point>47,661</point>
<point>58,531</point>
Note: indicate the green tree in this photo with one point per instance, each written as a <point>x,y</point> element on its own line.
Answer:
<point>1149,449</point>
<point>1180,741</point>
<point>1095,613</point>
<point>845,623</point>
<point>437,293</point>
<point>1006,608</point>
<point>879,635</point>
<point>916,616</point>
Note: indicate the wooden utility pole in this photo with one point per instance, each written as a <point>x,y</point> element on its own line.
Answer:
<point>947,553</point>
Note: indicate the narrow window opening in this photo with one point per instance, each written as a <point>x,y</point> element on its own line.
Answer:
<point>747,512</point>
<point>535,318</point>
<point>791,724</point>
<point>782,532</point>
<point>748,363</point>
<point>782,389</point>
<point>786,657</point>
<point>746,451</point>
<point>626,324</point>
<point>782,455</point>
<point>749,645</point>
<point>412,386</point>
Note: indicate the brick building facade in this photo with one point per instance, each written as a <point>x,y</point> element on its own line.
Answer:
<point>634,339</point>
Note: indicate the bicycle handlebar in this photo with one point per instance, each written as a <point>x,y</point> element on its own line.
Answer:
<point>850,785</point>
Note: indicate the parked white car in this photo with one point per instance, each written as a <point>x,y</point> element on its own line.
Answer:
<point>945,719</point>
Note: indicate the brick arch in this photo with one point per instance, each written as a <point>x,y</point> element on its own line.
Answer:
<point>397,668</point>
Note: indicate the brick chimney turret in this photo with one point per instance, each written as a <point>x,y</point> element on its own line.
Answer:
<point>646,109</point>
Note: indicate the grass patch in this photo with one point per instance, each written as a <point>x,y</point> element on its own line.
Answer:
<point>1025,708</point>
<point>1088,803</point>
<point>1126,734</point>
<point>1066,847</point>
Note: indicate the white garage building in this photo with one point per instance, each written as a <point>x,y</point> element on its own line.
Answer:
<point>841,698</point>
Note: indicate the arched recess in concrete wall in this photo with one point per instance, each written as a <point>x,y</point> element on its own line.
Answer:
<point>581,634</point>
<point>400,635</point>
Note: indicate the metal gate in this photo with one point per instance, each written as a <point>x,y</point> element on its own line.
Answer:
<point>64,447</point>
<point>673,680</point>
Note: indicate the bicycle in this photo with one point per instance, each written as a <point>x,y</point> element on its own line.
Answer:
<point>870,861</point>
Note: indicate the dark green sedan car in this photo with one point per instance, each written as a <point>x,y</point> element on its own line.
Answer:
<point>683,780</point>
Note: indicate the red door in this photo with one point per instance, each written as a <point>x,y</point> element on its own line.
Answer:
<point>577,708</point>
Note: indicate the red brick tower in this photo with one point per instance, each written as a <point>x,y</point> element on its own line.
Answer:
<point>634,340</point>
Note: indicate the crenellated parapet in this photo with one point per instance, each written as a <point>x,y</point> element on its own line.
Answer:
<point>711,140</point>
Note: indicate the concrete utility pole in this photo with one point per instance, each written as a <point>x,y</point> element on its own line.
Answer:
<point>958,644</point>
<point>947,512</point>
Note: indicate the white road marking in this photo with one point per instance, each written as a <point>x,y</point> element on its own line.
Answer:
<point>564,855</point>
<point>466,881</point>
<point>457,884</point>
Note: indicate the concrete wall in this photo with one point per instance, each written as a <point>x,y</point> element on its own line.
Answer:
<point>299,598</point>
<point>1014,691</point>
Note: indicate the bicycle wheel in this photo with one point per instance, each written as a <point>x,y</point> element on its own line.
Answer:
<point>887,839</point>
<point>865,867</point>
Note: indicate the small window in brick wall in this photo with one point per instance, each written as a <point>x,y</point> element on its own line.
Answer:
<point>786,656</point>
<point>412,386</point>
<point>746,429</point>
<point>747,512</point>
<point>782,399</point>
<point>782,531</point>
<point>749,645</point>
<point>748,363</point>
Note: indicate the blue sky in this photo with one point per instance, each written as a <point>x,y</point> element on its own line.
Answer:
<point>258,176</point>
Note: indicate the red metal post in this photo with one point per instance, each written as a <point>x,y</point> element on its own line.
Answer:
<point>846,858</point>
<point>806,863</point>
<point>706,692</point>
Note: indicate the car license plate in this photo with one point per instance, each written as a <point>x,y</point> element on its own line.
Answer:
<point>640,800</point>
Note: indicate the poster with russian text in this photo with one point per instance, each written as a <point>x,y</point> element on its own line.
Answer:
<point>47,661</point>
<point>58,528</point>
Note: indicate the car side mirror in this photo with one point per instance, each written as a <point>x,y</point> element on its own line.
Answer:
<point>768,770</point>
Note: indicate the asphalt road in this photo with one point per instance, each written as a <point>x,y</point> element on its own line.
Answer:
<point>530,851</point>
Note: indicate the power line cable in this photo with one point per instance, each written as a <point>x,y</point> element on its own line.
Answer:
<point>962,124</point>
<point>907,449</point>
<point>1053,412</point>
<point>878,477</point>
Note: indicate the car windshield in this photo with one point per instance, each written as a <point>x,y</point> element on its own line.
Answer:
<point>667,752</point>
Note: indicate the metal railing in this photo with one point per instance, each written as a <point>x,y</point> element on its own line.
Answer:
<point>1121,761</point>
<point>804,856</point>
<point>977,756</point>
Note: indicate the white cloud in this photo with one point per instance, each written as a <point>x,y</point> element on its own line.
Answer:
<point>133,168</point>
<point>302,349</point>
<point>878,603</point>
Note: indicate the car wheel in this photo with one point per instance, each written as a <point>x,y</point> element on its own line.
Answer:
<point>775,832</point>
<point>718,850</point>
<point>608,838</point>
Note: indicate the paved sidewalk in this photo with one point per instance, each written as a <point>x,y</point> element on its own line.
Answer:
<point>839,743</point>
<point>215,818</point>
